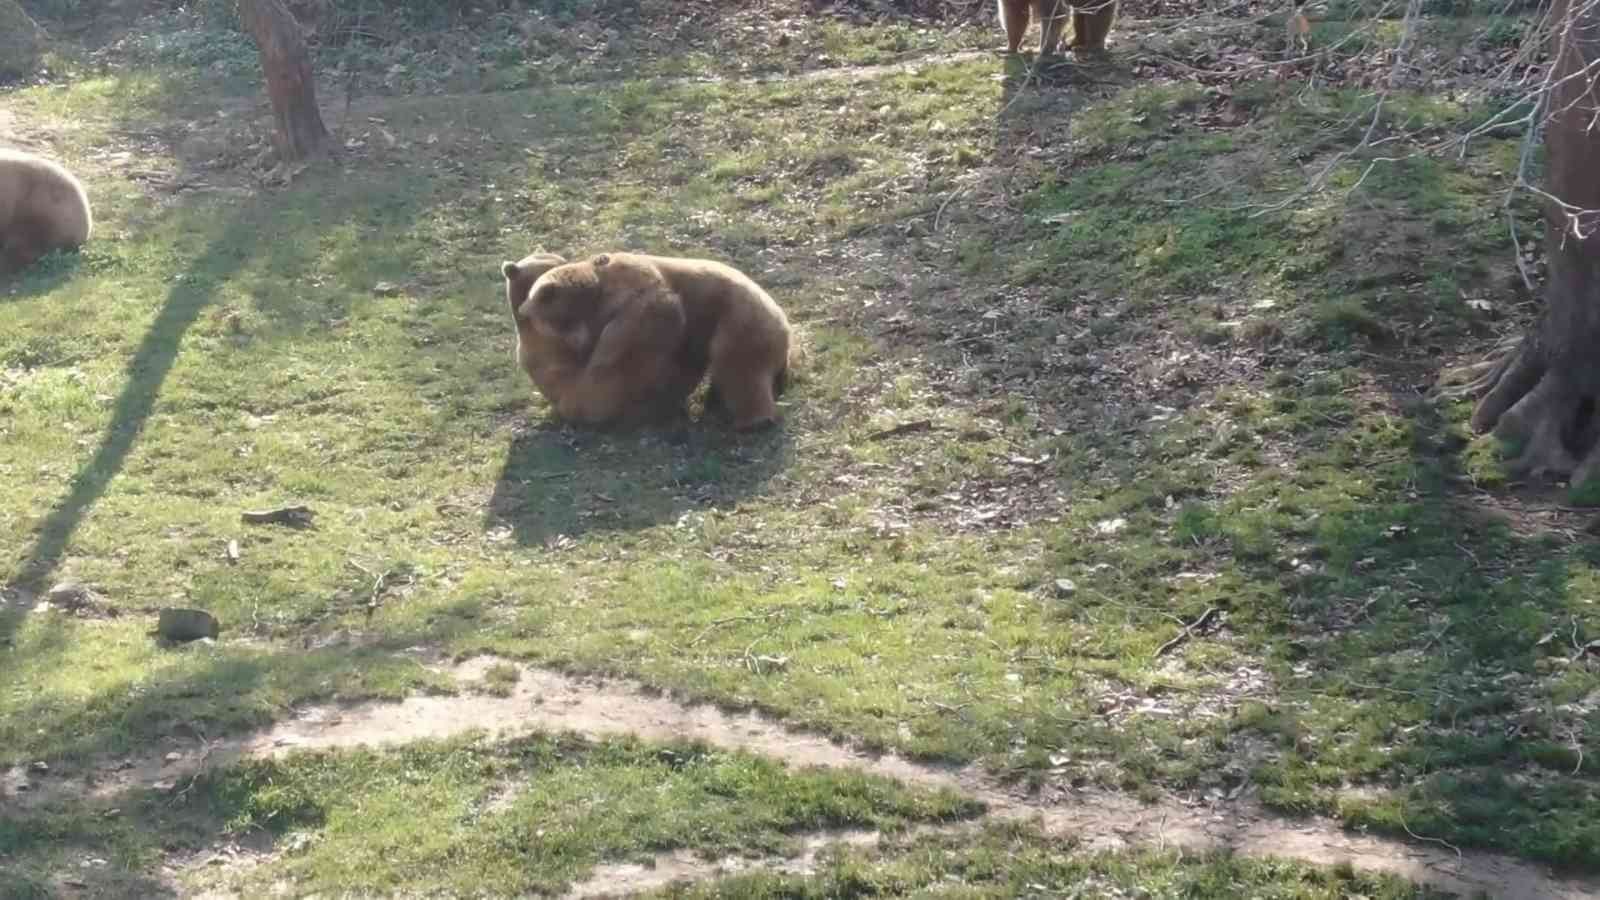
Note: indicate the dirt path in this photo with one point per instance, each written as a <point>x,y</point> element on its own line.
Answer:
<point>621,879</point>
<point>547,701</point>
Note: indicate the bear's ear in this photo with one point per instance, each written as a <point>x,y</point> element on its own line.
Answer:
<point>601,260</point>
<point>509,270</point>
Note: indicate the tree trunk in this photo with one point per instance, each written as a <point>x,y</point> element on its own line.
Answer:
<point>1542,395</point>
<point>287,66</point>
<point>20,42</point>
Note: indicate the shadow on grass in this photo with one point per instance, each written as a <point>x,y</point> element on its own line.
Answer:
<point>207,694</point>
<point>236,244</point>
<point>146,371</point>
<point>48,274</point>
<point>1408,665</point>
<point>562,482</point>
<point>203,692</point>
<point>1455,644</point>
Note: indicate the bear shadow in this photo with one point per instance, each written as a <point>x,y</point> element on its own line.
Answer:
<point>561,482</point>
<point>45,275</point>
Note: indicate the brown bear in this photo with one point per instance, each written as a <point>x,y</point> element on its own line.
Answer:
<point>42,208</point>
<point>1091,22</point>
<point>649,328</point>
<point>635,380</point>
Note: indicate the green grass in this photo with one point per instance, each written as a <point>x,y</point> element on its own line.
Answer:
<point>462,816</point>
<point>1178,397</point>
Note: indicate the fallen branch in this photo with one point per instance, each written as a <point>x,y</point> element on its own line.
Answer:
<point>907,428</point>
<point>717,623</point>
<point>1440,841</point>
<point>379,583</point>
<point>200,769</point>
<point>294,516</point>
<point>1187,632</point>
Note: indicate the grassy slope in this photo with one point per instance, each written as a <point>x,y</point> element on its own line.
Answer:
<point>1175,406</point>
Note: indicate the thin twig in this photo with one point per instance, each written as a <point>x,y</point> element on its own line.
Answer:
<point>379,582</point>
<point>953,194</point>
<point>200,768</point>
<point>1440,841</point>
<point>1188,630</point>
<point>718,623</point>
<point>905,428</point>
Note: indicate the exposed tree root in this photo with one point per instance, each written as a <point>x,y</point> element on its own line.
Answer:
<point>1525,403</point>
<point>1476,380</point>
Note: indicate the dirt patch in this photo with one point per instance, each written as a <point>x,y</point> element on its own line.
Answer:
<point>616,880</point>
<point>541,700</point>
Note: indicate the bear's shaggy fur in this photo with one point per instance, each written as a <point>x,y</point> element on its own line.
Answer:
<point>42,208</point>
<point>648,329</point>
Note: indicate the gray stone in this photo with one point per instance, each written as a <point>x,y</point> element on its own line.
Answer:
<point>187,625</point>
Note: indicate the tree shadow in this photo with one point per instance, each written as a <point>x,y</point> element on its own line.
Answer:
<point>176,715</point>
<point>210,691</point>
<point>145,374</point>
<point>1425,604</point>
<point>562,482</point>
<point>1336,542</point>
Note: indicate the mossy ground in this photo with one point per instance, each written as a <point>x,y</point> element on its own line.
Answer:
<point>1153,389</point>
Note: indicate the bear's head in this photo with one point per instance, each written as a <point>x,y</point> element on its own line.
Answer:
<point>520,277</point>
<point>566,296</point>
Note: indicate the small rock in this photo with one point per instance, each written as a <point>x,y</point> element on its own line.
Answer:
<point>187,625</point>
<point>386,289</point>
<point>40,766</point>
<point>78,599</point>
<point>1065,587</point>
<point>68,593</point>
<point>174,756</point>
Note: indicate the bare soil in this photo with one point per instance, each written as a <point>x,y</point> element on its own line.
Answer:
<point>621,879</point>
<point>549,701</point>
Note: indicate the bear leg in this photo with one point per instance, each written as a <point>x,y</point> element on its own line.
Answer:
<point>1014,19</point>
<point>1052,19</point>
<point>747,399</point>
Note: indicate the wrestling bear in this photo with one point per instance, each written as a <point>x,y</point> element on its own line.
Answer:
<point>42,208</point>
<point>626,384</point>
<point>626,337</point>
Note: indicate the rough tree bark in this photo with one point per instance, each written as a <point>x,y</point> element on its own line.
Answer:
<point>287,65</point>
<point>1542,394</point>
